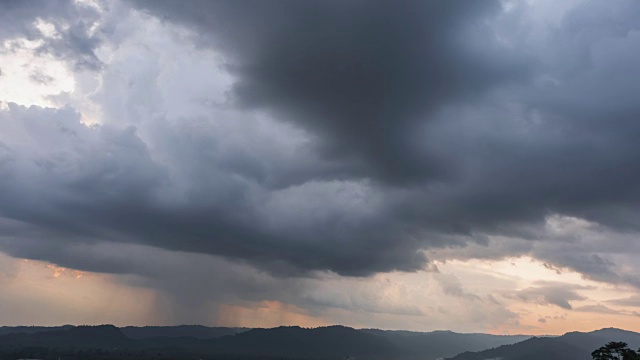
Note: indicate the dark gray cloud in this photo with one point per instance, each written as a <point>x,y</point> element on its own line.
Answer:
<point>84,184</point>
<point>546,153</point>
<point>363,75</point>
<point>599,308</point>
<point>630,301</point>
<point>391,127</point>
<point>41,78</point>
<point>566,147</point>
<point>551,294</point>
<point>452,286</point>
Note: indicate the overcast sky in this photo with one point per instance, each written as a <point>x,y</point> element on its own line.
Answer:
<point>422,165</point>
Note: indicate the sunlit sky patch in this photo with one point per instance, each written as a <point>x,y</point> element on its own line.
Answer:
<point>29,78</point>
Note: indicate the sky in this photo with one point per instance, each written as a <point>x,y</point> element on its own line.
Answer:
<point>423,165</point>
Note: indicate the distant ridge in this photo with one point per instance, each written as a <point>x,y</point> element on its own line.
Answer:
<point>323,342</point>
<point>440,344</point>
<point>101,336</point>
<point>294,342</point>
<point>330,342</point>
<point>570,346</point>
<point>31,329</point>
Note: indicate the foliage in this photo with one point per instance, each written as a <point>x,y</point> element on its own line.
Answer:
<point>615,350</point>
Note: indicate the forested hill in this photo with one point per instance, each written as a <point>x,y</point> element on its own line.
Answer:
<point>332,342</point>
<point>570,346</point>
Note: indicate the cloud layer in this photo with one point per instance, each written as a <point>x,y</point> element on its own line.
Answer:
<point>352,138</point>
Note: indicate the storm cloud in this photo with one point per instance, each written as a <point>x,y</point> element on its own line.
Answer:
<point>364,76</point>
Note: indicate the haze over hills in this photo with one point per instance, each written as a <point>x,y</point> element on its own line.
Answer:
<point>332,342</point>
<point>439,344</point>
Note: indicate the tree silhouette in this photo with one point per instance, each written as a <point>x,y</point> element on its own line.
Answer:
<point>615,350</point>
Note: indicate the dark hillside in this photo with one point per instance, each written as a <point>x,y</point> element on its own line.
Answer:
<point>31,329</point>
<point>103,336</point>
<point>439,344</point>
<point>570,346</point>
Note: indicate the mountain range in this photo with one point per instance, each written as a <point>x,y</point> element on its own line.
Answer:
<point>332,342</point>
<point>292,342</point>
